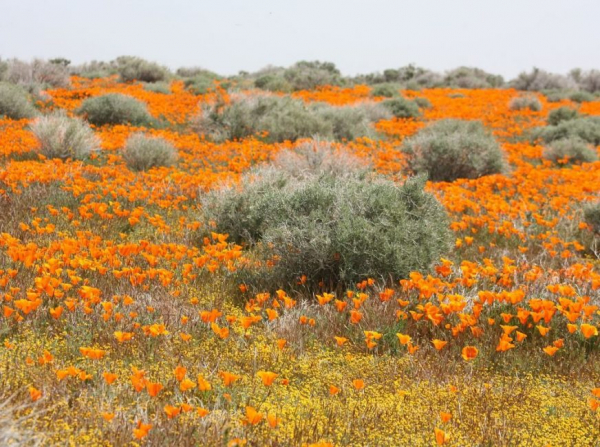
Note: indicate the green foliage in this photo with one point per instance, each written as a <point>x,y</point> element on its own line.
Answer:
<point>158,87</point>
<point>402,107</point>
<point>337,229</point>
<point>202,81</point>
<point>561,114</point>
<point>14,103</point>
<point>422,102</point>
<point>387,90</point>
<point>305,75</point>
<point>132,68</point>
<point>526,102</point>
<point>451,149</point>
<point>143,152</point>
<point>585,128</point>
<point>115,108</point>
<point>63,137</point>
<point>581,97</point>
<point>573,150</point>
<point>273,83</point>
<point>283,118</point>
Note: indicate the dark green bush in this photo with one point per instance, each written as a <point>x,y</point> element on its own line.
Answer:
<point>131,68</point>
<point>335,230</point>
<point>14,103</point>
<point>201,82</point>
<point>402,107</point>
<point>561,114</point>
<point>574,150</point>
<point>115,108</point>
<point>451,149</point>
<point>585,128</point>
<point>143,152</point>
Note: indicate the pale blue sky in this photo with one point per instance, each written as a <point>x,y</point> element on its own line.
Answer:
<point>501,36</point>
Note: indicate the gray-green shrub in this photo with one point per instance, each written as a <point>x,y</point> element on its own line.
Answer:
<point>402,108</point>
<point>527,102</point>
<point>581,96</point>
<point>572,149</point>
<point>422,102</point>
<point>387,90</point>
<point>14,103</point>
<point>273,83</point>
<point>131,68</point>
<point>143,152</point>
<point>451,149</point>
<point>472,78</point>
<point>115,108</point>
<point>561,114</point>
<point>284,118</point>
<point>585,128</point>
<point>63,137</point>
<point>335,230</point>
<point>308,75</point>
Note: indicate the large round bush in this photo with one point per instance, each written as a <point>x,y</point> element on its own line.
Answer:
<point>115,108</point>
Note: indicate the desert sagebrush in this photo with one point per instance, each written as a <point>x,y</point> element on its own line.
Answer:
<point>63,137</point>
<point>451,149</point>
<point>143,152</point>
<point>115,108</point>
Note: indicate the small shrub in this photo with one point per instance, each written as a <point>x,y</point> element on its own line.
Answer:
<point>63,137</point>
<point>115,108</point>
<point>201,82</point>
<point>273,83</point>
<point>527,102</point>
<point>386,90</point>
<point>14,103</point>
<point>585,128</point>
<point>451,149</point>
<point>306,75</point>
<point>581,97</point>
<point>422,102</point>
<point>402,108</point>
<point>334,230</point>
<point>132,68</point>
<point>561,114</point>
<point>157,87</point>
<point>143,152</point>
<point>572,150</point>
<point>284,118</point>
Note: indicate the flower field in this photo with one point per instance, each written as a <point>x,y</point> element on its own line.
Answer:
<point>123,321</point>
